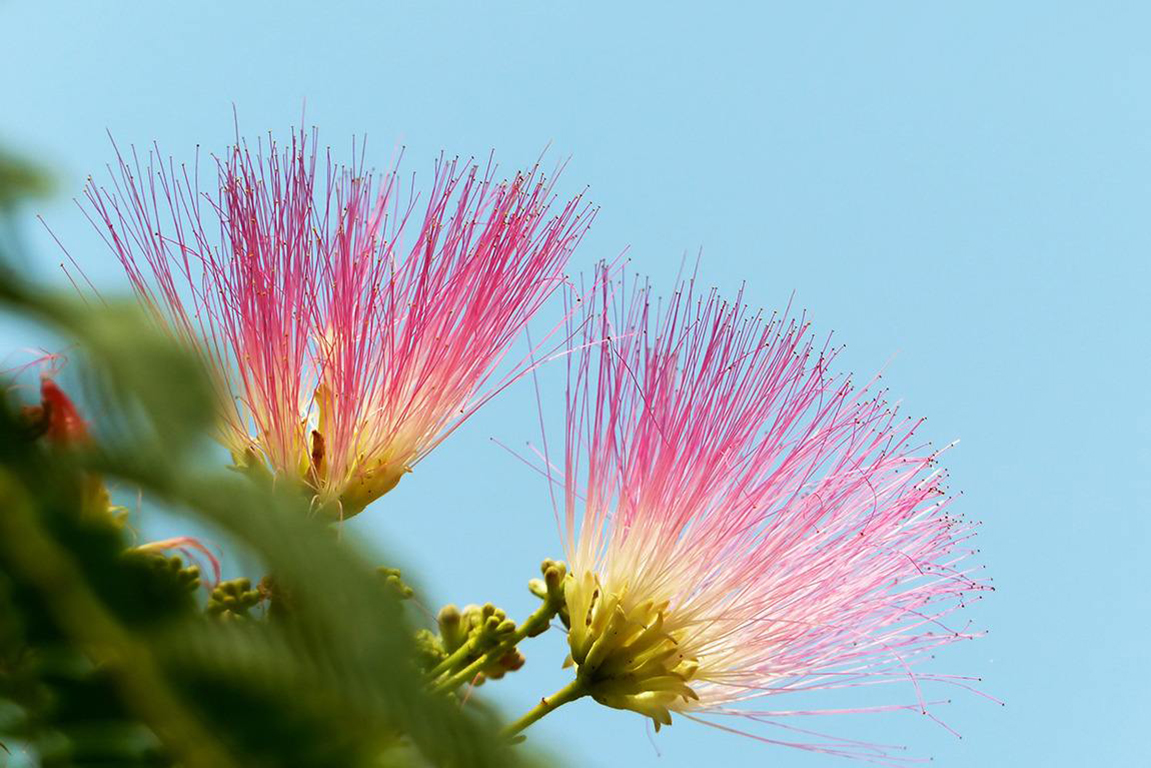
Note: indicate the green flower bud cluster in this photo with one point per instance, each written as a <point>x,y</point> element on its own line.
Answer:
<point>429,649</point>
<point>481,642</point>
<point>469,635</point>
<point>484,626</point>
<point>394,580</point>
<point>170,568</point>
<point>233,599</point>
<point>550,589</point>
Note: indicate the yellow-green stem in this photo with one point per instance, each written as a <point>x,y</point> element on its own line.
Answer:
<point>451,661</point>
<point>569,693</point>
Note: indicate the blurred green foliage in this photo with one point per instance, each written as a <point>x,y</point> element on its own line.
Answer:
<point>20,179</point>
<point>107,656</point>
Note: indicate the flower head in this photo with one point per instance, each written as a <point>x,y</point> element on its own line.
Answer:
<point>740,522</point>
<point>62,423</point>
<point>352,326</point>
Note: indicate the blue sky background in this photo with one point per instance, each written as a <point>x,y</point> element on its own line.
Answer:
<point>964,186</point>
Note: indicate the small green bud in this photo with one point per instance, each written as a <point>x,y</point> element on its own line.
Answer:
<point>490,624</point>
<point>472,618</point>
<point>453,633</point>
<point>552,578</point>
<point>429,649</point>
<point>393,578</point>
<point>450,616</point>
<point>190,578</point>
<point>551,587</point>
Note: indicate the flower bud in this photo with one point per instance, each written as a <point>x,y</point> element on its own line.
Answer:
<point>452,631</point>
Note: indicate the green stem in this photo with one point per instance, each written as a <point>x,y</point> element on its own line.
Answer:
<point>451,661</point>
<point>452,682</point>
<point>534,622</point>
<point>569,693</point>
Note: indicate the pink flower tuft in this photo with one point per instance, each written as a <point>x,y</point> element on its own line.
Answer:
<point>351,326</point>
<point>741,523</point>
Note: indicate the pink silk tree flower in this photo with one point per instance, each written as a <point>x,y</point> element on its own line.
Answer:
<point>741,523</point>
<point>351,325</point>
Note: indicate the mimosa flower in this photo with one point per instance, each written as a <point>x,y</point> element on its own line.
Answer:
<point>351,326</point>
<point>63,424</point>
<point>740,522</point>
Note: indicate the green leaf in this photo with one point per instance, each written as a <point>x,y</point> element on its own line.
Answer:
<point>20,178</point>
<point>330,680</point>
<point>152,388</point>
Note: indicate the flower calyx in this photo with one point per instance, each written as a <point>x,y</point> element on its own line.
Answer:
<point>367,485</point>
<point>624,655</point>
